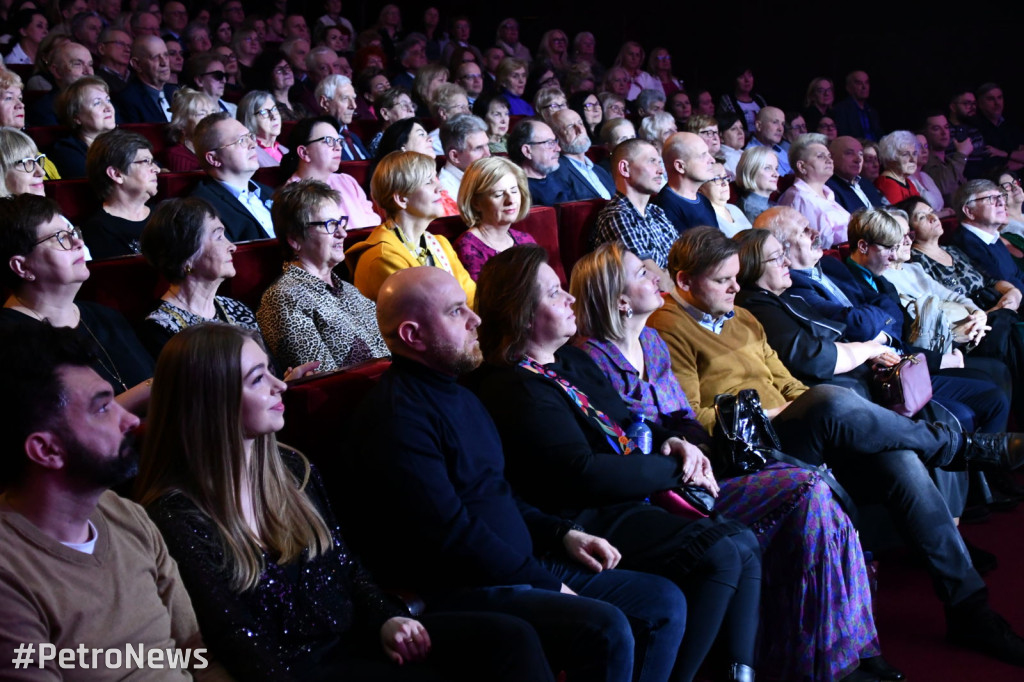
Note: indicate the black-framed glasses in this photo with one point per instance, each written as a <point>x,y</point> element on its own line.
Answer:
<point>330,141</point>
<point>330,226</point>
<point>721,181</point>
<point>29,164</point>
<point>550,144</point>
<point>1008,186</point>
<point>710,133</point>
<point>218,75</point>
<point>65,238</point>
<point>283,70</point>
<point>991,200</point>
<point>246,140</point>
<point>267,113</point>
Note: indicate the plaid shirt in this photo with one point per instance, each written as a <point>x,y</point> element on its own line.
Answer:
<point>649,236</point>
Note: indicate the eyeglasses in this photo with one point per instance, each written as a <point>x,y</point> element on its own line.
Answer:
<point>557,106</point>
<point>283,70</point>
<point>119,43</point>
<point>330,226</point>
<point>246,140</point>
<point>550,144</point>
<point>710,133</point>
<point>553,80</point>
<point>883,248</point>
<point>591,105</point>
<point>229,57</point>
<point>991,200</point>
<point>721,181</point>
<point>29,164</point>
<point>267,113</point>
<point>65,238</point>
<point>330,142</point>
<point>1008,186</point>
<point>217,75</point>
<point>779,259</point>
<point>150,162</point>
<point>471,77</point>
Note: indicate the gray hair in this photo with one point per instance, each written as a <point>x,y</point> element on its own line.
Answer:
<point>649,97</point>
<point>890,145</point>
<point>800,149</point>
<point>316,52</point>
<point>455,131</point>
<point>328,87</point>
<point>967,192</point>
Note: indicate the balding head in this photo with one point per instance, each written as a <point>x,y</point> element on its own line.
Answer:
<point>687,157</point>
<point>848,156</point>
<point>794,232</point>
<point>770,126</point>
<point>423,315</point>
<point>70,62</point>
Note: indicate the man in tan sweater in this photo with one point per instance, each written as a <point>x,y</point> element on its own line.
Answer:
<point>87,588</point>
<point>877,454</point>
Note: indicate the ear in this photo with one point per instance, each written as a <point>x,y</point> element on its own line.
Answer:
<point>527,151</point>
<point>17,265</point>
<point>295,244</point>
<point>623,168</point>
<point>623,303</point>
<point>683,281</point>
<point>401,201</point>
<point>411,335</point>
<point>323,104</point>
<point>211,158</point>
<point>679,166</point>
<point>302,153</point>
<point>134,63</point>
<point>452,156</point>
<point>115,174</point>
<point>45,449</point>
<point>863,246</point>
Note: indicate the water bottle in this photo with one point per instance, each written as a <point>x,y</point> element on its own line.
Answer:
<point>640,433</point>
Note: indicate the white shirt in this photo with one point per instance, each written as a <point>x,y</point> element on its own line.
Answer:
<point>451,178</point>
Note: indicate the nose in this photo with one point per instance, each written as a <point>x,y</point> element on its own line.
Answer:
<point>276,385</point>
<point>129,422</point>
<point>472,320</point>
<point>232,247</point>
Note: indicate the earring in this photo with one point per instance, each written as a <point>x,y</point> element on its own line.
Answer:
<point>188,269</point>
<point>628,312</point>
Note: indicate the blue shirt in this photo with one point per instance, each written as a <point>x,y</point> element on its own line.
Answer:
<point>686,213</point>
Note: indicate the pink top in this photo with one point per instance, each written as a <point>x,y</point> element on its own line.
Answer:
<point>353,199</point>
<point>823,212</point>
<point>474,253</point>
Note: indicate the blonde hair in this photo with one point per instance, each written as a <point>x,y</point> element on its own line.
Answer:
<point>751,162</point>
<point>598,280</point>
<point>14,146</point>
<point>875,226</point>
<point>400,173</point>
<point>481,176</point>
<point>184,104</point>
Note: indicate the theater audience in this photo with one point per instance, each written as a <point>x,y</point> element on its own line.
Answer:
<point>947,157</point>
<point>449,100</point>
<point>317,156</point>
<point>872,166</point>
<point>188,108</point>
<point>337,98</point>
<point>22,166</point>
<point>897,154</point>
<point>122,171</point>
<point>68,63</point>
<point>588,106</point>
<point>658,127</point>
<point>405,185</point>
<point>743,101</point>
<point>273,72</point>
<point>926,187</point>
<point>30,27</point>
<point>147,97</point>
<point>818,101</point>
<point>114,50</point>
<point>395,104</point>
<point>733,137</point>
<point>549,101</point>
<point>731,218</point>
<point>980,206</point>
<point>855,116</point>
<point>428,78</point>
<point>208,74</point>
<point>309,314</point>
<point>850,190</point>
<point>464,139</point>
<point>493,195</point>
<point>258,112</point>
<point>660,66</point>
<point>769,127</point>
<point>583,178</point>
<point>812,164</point>
<point>278,593</point>
<point>12,101</point>
<point>85,107</point>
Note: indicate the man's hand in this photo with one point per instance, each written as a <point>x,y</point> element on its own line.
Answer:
<point>696,466</point>
<point>593,552</point>
<point>964,146</point>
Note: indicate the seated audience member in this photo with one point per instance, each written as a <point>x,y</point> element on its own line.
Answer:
<point>795,127</point>
<point>707,128</point>
<point>337,98</point>
<point>926,187</point>
<point>393,105</point>
<point>31,26</point>
<point>511,81</point>
<point>768,131</point>
<point>494,195</point>
<point>660,65</point>
<point>227,152</point>
<point>588,106</point>
<point>85,107</point>
<point>74,551</point>
<point>849,189</point>
<point>147,97</point>
<point>827,127</point>
<point>309,314</point>
<point>46,268</point>
<point>688,164</point>
<point>615,131</point>
<point>733,137</point>
<point>541,76</point>
<point>897,152</point>
<point>69,62</point>
<point>279,595</point>
<point>818,101</point>
<point>12,102</point>
<point>872,166</point>
<point>449,100</point>
<point>196,37</point>
<point>854,116</point>
<point>630,217</point>
<point>743,101</point>
<point>421,433</point>
<point>412,56</point>
<point>681,109</point>
<point>470,76</point>
<point>493,109</point>
<point>405,185</point>
<point>615,295</point>
<point>947,156</point>
<point>583,179</point>
<point>981,207</point>
<point>428,79</point>
<point>42,80</point>
<point>508,40</point>
<point>1013,231</point>
<point>1004,140</point>
<point>613,106</point>
<point>206,73</point>
<point>22,167</point>
<point>114,49</point>
<point>317,156</point>
<point>532,146</point>
<point>731,218</point>
<point>553,49</point>
<point>631,59</point>
<point>122,172</point>
<point>464,139</point>
<point>658,127</point>
<point>556,441</point>
<point>757,177</point>
<point>812,164</point>
<point>548,101</point>
<point>188,108</point>
<point>649,102</point>
<point>273,72</point>
<point>875,453</point>
<point>370,83</point>
<point>258,112</point>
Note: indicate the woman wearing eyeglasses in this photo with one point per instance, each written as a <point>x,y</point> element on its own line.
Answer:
<point>309,314</point>
<point>316,155</point>
<point>46,266</point>
<point>208,74</point>
<point>272,72</point>
<point>730,218</point>
<point>259,113</point>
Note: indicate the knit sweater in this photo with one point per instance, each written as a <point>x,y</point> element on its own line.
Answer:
<point>707,364</point>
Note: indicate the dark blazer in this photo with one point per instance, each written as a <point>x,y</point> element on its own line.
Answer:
<point>239,224</point>
<point>42,112</point>
<point>848,199</point>
<point>134,104</point>
<point>345,155</point>
<point>992,260</point>
<point>580,188</point>
<point>848,121</point>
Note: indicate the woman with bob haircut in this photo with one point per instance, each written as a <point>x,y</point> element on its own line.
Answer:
<point>493,195</point>
<point>405,185</point>
<point>258,111</point>
<point>277,593</point>
<point>897,153</point>
<point>757,176</point>
<point>188,108</point>
<point>85,107</point>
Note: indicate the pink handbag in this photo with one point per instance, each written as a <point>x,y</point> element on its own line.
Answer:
<point>905,387</point>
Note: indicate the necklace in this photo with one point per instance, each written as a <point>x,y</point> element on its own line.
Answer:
<point>112,369</point>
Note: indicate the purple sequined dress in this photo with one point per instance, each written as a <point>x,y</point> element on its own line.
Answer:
<point>816,617</point>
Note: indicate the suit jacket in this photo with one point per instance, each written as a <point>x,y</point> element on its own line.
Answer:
<point>848,122</point>
<point>848,199</point>
<point>239,224</point>
<point>134,104</point>
<point>345,156</point>
<point>581,189</point>
<point>991,260</point>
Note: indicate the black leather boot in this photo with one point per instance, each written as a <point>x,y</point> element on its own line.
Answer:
<point>995,451</point>
<point>737,672</point>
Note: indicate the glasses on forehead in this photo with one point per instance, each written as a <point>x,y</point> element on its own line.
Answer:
<point>65,238</point>
<point>29,164</point>
<point>243,141</point>
<point>330,226</point>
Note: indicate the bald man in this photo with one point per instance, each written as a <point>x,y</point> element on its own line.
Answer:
<point>147,97</point>
<point>769,126</point>
<point>70,61</point>
<point>429,509</point>
<point>851,191</point>
<point>688,165</point>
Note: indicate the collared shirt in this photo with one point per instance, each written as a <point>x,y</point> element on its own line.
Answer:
<point>823,212</point>
<point>451,177</point>
<point>784,167</point>
<point>855,186</point>
<point>712,324</point>
<point>868,276</point>
<point>817,275</point>
<point>649,235</point>
<point>981,234</point>
<point>250,198</point>
<point>586,167</point>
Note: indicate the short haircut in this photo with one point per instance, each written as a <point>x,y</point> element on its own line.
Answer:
<point>628,150</point>
<point>71,99</point>
<point>520,135</point>
<point>456,131</point>
<point>294,206</point>
<point>14,146</point>
<point>699,250</point>
<point>507,66</point>
<point>299,136</point>
<point>184,104</point>
<point>400,173</point>
<point>777,220</point>
<point>546,96</point>
<point>598,280</point>
<point>481,177</point>
<point>329,86</point>
<point>205,137</point>
<point>389,98</point>
<point>800,149</point>
<point>250,103</point>
<point>32,381</point>
<point>751,162</point>
<point>653,125</point>
<point>365,76</point>
<point>115,148</point>
<point>890,145</point>
<point>610,126</point>
<point>9,79</point>
<point>752,255</point>
<point>695,123</point>
<point>21,217</point>
<point>875,226</point>
<point>197,65</point>
<point>311,56</point>
<point>445,96</point>
<point>648,97</point>
<point>506,301</point>
<point>482,104</point>
<point>424,76</point>
<point>174,235</point>
<point>966,193</point>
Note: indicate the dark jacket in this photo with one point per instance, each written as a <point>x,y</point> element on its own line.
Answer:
<point>991,260</point>
<point>135,104</point>
<point>239,224</point>
<point>848,199</point>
